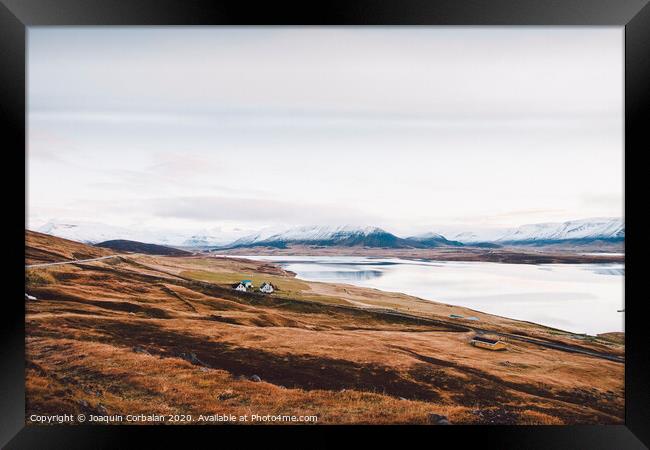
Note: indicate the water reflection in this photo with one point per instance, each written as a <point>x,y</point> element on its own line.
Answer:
<point>608,270</point>
<point>340,275</point>
<point>583,298</point>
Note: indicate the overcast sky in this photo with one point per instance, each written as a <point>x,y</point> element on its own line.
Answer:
<point>411,129</point>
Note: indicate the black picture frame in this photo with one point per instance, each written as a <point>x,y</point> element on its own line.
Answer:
<point>17,15</point>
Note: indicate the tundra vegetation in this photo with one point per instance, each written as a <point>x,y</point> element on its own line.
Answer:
<point>142,334</point>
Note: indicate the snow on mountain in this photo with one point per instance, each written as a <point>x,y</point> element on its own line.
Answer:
<point>472,237</point>
<point>607,228</point>
<point>341,236</point>
<point>346,235</point>
<point>88,232</point>
<point>93,233</point>
<point>211,238</point>
<point>305,234</point>
<point>202,240</point>
<point>432,239</point>
<point>583,229</point>
<point>425,236</point>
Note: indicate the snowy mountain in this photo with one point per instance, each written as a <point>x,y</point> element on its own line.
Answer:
<point>204,240</point>
<point>306,233</point>
<point>345,236</point>
<point>591,229</point>
<point>573,232</point>
<point>584,230</point>
<point>433,240</point>
<point>472,237</point>
<point>93,233</point>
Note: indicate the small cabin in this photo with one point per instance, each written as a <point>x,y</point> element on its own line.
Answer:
<point>488,344</point>
<point>246,283</point>
<point>266,288</point>
<point>240,287</point>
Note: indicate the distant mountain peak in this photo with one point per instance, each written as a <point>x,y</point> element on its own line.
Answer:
<point>93,233</point>
<point>428,235</point>
<point>431,239</point>
<point>309,234</point>
<point>599,228</point>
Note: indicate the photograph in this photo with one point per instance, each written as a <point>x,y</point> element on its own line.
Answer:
<point>325,225</point>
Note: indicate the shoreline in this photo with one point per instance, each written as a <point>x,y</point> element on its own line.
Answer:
<point>503,256</point>
<point>283,264</point>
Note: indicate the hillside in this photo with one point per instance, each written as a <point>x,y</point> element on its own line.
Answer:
<point>141,333</point>
<point>42,248</point>
<point>123,245</point>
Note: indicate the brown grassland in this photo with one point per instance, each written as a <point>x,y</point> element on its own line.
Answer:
<point>139,334</point>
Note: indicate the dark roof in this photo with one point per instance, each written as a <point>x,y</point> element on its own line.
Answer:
<point>486,340</point>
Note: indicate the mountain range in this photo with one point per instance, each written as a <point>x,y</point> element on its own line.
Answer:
<point>93,233</point>
<point>342,236</point>
<point>584,230</point>
<point>571,232</point>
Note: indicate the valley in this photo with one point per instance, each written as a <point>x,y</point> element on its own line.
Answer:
<point>138,333</point>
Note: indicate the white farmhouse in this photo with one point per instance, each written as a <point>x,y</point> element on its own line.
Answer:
<point>240,287</point>
<point>266,288</point>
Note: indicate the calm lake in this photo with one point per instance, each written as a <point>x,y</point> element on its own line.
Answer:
<point>581,298</point>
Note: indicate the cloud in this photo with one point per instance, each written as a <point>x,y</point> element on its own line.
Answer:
<point>216,208</point>
<point>608,200</point>
<point>381,127</point>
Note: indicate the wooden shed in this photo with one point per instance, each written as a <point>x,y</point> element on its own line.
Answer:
<point>488,344</point>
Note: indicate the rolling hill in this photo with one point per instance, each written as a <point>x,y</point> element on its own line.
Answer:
<point>143,333</point>
<point>43,248</point>
<point>123,245</point>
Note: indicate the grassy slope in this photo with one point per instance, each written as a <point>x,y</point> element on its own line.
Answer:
<point>42,248</point>
<point>116,336</point>
<point>123,245</point>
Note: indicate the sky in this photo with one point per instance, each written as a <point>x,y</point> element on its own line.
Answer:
<point>413,129</point>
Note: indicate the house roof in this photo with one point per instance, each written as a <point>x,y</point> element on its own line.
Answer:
<point>486,340</point>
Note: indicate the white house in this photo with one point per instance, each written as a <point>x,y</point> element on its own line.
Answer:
<point>240,287</point>
<point>267,288</point>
